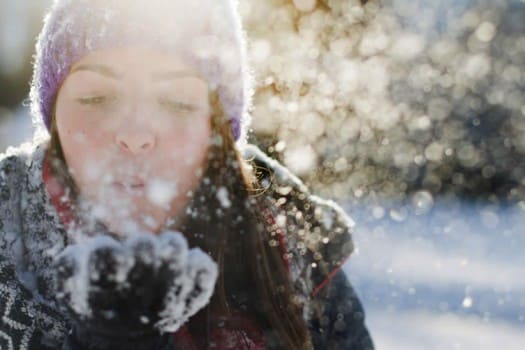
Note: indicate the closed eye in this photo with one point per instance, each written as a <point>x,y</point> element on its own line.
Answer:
<point>94,100</point>
<point>177,106</point>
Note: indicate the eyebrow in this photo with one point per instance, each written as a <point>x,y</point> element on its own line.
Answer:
<point>156,76</point>
<point>171,75</point>
<point>98,68</point>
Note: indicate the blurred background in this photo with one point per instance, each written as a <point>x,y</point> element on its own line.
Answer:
<point>410,114</point>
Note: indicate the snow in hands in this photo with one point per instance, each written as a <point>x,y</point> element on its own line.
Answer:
<point>143,283</point>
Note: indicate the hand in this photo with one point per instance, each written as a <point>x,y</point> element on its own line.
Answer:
<point>141,287</point>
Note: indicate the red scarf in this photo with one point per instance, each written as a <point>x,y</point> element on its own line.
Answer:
<point>245,335</point>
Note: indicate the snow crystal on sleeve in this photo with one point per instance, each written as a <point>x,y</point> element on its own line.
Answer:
<point>222,196</point>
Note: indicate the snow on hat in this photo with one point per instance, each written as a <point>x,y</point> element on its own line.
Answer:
<point>208,33</point>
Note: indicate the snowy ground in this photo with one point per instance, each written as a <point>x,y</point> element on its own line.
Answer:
<point>452,278</point>
<point>435,276</point>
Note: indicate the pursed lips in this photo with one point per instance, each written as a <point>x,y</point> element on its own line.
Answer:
<point>134,184</point>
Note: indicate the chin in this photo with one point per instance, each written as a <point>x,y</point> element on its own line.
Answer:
<point>123,227</point>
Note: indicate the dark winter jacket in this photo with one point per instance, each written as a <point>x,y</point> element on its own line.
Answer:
<point>315,233</point>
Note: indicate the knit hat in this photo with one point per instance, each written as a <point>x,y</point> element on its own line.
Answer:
<point>207,33</point>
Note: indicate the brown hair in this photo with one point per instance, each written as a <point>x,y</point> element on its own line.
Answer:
<point>252,274</point>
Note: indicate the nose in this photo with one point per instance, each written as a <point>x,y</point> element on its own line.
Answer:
<point>135,141</point>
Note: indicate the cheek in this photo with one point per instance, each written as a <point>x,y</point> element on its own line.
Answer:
<point>85,148</point>
<point>74,128</point>
<point>187,143</point>
<point>76,135</point>
<point>185,153</point>
<point>198,143</point>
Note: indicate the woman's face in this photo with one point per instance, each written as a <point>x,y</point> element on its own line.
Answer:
<point>134,126</point>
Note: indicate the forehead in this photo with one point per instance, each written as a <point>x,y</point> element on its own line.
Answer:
<point>139,58</point>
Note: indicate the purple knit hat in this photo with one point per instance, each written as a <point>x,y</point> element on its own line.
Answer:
<point>208,33</point>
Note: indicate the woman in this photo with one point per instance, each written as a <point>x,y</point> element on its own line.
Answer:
<point>145,104</point>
